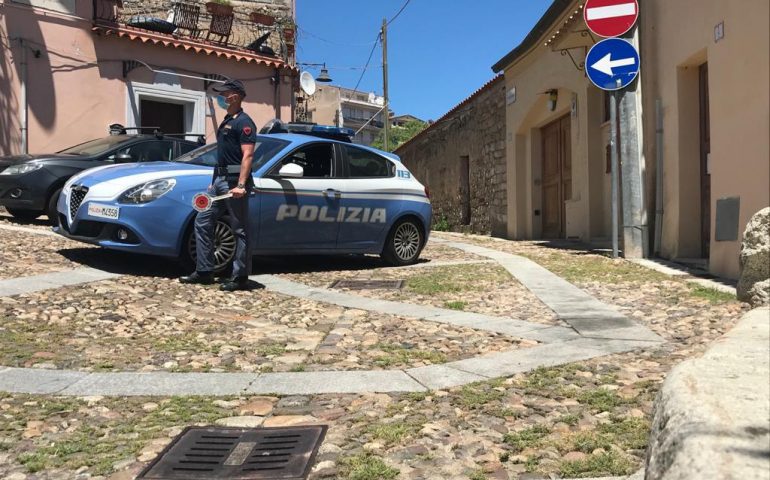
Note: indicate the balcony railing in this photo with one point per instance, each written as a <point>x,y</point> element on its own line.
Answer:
<point>203,22</point>
<point>362,120</point>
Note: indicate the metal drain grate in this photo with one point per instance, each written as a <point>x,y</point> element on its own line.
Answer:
<point>244,453</point>
<point>367,284</point>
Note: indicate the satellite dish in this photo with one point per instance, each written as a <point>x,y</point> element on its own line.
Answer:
<point>307,83</point>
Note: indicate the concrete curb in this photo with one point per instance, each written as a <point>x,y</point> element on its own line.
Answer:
<point>712,416</point>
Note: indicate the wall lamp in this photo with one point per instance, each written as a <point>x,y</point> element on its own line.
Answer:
<point>553,98</point>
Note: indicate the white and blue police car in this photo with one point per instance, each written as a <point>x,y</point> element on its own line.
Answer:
<point>315,193</point>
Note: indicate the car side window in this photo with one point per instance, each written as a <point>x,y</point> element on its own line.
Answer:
<point>186,148</point>
<point>366,164</point>
<point>153,151</point>
<point>316,160</point>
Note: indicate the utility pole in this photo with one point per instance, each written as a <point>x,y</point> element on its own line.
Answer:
<point>614,169</point>
<point>386,112</point>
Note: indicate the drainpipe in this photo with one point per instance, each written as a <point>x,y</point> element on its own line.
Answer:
<point>23,94</point>
<point>658,175</point>
<point>277,89</point>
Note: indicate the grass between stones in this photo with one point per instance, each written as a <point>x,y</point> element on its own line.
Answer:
<point>366,466</point>
<point>714,296</point>
<point>582,267</point>
<point>456,279</point>
<point>69,433</point>
<point>401,355</point>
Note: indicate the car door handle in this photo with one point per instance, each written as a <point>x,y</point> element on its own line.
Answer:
<point>330,192</point>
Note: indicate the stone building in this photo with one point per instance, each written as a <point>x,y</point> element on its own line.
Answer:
<point>345,107</point>
<point>461,159</point>
<point>693,145</point>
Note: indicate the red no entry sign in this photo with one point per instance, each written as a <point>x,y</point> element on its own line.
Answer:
<point>610,18</point>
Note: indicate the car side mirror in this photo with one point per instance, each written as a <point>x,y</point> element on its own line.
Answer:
<point>291,170</point>
<point>123,158</point>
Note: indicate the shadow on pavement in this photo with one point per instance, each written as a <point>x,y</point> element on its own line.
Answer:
<point>125,263</point>
<point>42,221</point>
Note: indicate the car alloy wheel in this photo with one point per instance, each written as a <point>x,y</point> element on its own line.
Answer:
<point>406,241</point>
<point>224,245</point>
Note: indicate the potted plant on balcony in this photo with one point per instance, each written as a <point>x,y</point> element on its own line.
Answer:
<point>262,17</point>
<point>219,7</point>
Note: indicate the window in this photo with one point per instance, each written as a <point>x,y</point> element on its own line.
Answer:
<point>264,150</point>
<point>95,147</point>
<point>186,147</point>
<point>153,151</point>
<point>363,164</point>
<point>316,160</point>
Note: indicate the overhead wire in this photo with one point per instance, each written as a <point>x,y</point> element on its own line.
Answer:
<point>379,37</point>
<point>398,13</point>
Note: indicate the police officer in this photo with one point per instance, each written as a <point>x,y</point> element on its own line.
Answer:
<point>236,138</point>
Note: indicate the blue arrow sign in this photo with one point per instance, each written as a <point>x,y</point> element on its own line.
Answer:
<point>612,64</point>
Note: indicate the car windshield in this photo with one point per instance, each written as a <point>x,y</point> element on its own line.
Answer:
<point>264,150</point>
<point>98,146</point>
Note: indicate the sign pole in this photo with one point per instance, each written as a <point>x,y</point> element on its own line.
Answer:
<point>614,169</point>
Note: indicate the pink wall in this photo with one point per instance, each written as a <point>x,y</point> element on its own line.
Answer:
<point>76,88</point>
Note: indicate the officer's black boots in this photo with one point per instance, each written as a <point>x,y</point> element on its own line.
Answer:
<point>198,277</point>
<point>233,284</point>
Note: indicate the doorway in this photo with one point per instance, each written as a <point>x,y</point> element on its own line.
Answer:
<point>167,117</point>
<point>556,176</point>
<point>705,150</point>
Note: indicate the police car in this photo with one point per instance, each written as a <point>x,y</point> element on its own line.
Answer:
<point>315,193</point>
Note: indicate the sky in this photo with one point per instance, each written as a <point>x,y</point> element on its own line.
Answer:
<point>439,51</point>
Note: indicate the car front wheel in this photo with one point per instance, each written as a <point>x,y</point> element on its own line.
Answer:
<point>52,213</point>
<point>404,243</point>
<point>224,246</point>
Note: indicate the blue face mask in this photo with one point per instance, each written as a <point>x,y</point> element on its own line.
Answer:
<point>222,102</point>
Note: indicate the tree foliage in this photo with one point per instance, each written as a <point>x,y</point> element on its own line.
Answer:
<point>399,135</point>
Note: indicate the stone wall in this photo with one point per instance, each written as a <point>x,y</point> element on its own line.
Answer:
<point>474,129</point>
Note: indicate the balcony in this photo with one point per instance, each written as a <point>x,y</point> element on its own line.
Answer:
<point>362,120</point>
<point>206,23</point>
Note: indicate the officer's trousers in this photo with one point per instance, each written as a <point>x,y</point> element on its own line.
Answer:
<point>205,225</point>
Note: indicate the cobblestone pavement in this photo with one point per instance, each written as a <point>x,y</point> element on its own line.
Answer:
<point>587,418</point>
<point>25,256</point>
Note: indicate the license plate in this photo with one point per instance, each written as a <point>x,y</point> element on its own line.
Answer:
<point>104,211</point>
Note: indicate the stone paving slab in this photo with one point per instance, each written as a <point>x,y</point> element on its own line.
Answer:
<point>567,300</point>
<point>479,321</point>
<point>37,381</point>
<point>160,383</point>
<point>436,377</point>
<point>510,362</point>
<point>299,383</point>
<point>36,283</point>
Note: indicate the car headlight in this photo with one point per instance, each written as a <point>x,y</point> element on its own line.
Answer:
<point>22,168</point>
<point>147,192</point>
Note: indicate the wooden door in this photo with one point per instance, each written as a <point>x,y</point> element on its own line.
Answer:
<point>705,149</point>
<point>556,176</point>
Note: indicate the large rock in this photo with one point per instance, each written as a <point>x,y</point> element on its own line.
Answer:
<point>712,416</point>
<point>754,282</point>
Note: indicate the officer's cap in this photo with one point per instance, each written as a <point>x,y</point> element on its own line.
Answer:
<point>231,85</point>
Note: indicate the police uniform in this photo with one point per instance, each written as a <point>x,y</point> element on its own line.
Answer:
<point>236,130</point>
